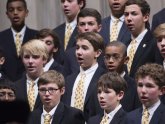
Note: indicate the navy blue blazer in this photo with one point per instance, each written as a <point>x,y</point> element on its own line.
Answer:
<point>70,80</point>
<point>13,66</point>
<point>117,119</point>
<point>147,52</point>
<point>135,116</point>
<point>124,34</point>
<point>130,100</point>
<point>63,115</point>
<point>60,31</point>
<point>56,66</point>
<point>158,18</point>
<point>70,61</point>
<point>21,92</point>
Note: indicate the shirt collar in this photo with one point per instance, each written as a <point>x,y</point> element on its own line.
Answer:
<point>72,24</point>
<point>22,32</point>
<point>112,113</point>
<point>140,36</point>
<point>152,109</point>
<point>120,19</point>
<point>29,80</point>
<point>51,112</point>
<point>91,69</point>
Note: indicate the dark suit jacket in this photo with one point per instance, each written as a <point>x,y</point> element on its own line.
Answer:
<point>124,34</point>
<point>158,18</point>
<point>147,52</point>
<point>21,93</point>
<point>117,119</point>
<point>88,110</point>
<point>56,66</point>
<point>135,116</point>
<point>63,115</point>
<point>130,100</point>
<point>70,61</point>
<point>13,66</point>
<point>60,31</point>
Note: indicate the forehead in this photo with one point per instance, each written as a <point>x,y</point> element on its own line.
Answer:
<point>113,49</point>
<point>84,42</point>
<point>132,8</point>
<point>146,79</point>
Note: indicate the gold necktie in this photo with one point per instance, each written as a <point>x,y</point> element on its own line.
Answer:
<point>145,117</point>
<point>104,119</point>
<point>18,43</point>
<point>47,118</point>
<point>67,35</point>
<point>114,30</point>
<point>131,54</point>
<point>31,95</point>
<point>79,93</point>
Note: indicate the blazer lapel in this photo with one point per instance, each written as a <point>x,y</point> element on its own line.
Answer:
<point>157,114</point>
<point>59,113</point>
<point>141,49</point>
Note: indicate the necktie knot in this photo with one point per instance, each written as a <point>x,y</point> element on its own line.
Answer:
<point>116,21</point>
<point>145,116</point>
<point>105,119</point>
<point>47,118</point>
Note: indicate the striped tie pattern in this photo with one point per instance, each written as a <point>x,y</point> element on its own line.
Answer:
<point>31,95</point>
<point>114,30</point>
<point>131,54</point>
<point>79,93</point>
<point>18,43</point>
<point>67,35</point>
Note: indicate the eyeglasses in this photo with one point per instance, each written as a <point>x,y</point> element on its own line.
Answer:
<point>115,57</point>
<point>50,90</point>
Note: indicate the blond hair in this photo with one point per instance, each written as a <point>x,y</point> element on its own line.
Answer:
<point>35,47</point>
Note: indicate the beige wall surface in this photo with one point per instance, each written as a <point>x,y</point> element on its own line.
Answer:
<point>48,13</point>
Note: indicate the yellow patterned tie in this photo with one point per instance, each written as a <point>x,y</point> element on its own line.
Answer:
<point>67,35</point>
<point>131,54</point>
<point>79,93</point>
<point>47,118</point>
<point>114,30</point>
<point>104,119</point>
<point>18,43</point>
<point>31,95</point>
<point>145,117</point>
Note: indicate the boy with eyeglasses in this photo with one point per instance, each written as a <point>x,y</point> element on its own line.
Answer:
<point>51,86</point>
<point>115,60</point>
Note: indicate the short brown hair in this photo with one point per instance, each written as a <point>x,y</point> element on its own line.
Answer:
<point>52,76</point>
<point>113,81</point>
<point>94,38</point>
<point>155,71</point>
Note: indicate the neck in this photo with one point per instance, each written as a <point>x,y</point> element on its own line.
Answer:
<point>18,28</point>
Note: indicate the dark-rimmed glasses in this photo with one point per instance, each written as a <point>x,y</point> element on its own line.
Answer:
<point>50,90</point>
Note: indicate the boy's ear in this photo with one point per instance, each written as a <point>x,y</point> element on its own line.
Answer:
<point>120,95</point>
<point>99,51</point>
<point>126,59</point>
<point>2,60</point>
<point>163,90</point>
<point>55,50</point>
<point>62,90</point>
